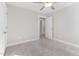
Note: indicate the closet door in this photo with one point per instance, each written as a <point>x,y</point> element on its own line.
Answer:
<point>3,27</point>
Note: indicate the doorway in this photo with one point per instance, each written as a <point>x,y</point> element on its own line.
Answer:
<point>42,27</point>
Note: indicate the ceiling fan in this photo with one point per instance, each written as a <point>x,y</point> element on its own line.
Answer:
<point>46,5</point>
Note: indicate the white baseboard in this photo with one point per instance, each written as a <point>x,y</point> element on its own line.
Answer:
<point>20,42</point>
<point>67,43</point>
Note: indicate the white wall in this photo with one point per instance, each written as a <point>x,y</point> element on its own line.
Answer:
<point>49,27</point>
<point>66,24</point>
<point>3,24</point>
<point>23,25</point>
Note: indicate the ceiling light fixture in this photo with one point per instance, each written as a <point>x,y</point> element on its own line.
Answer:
<point>48,4</point>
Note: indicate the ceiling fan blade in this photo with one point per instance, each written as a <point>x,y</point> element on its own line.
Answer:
<point>52,7</point>
<point>42,8</point>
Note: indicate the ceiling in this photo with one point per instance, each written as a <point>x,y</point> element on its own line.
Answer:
<point>36,7</point>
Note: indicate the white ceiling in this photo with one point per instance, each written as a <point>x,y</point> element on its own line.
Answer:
<point>36,7</point>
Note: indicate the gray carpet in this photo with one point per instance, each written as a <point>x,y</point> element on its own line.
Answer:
<point>43,47</point>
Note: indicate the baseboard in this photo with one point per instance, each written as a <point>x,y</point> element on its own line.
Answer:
<point>20,42</point>
<point>67,43</point>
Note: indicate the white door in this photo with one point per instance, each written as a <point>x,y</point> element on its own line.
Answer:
<point>3,27</point>
<point>49,28</point>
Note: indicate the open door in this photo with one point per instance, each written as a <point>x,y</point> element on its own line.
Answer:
<point>49,28</point>
<point>3,27</point>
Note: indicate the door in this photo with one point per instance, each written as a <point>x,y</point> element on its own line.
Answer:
<point>49,28</point>
<point>3,27</point>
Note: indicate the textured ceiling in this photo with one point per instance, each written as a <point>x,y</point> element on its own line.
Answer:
<point>36,7</point>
